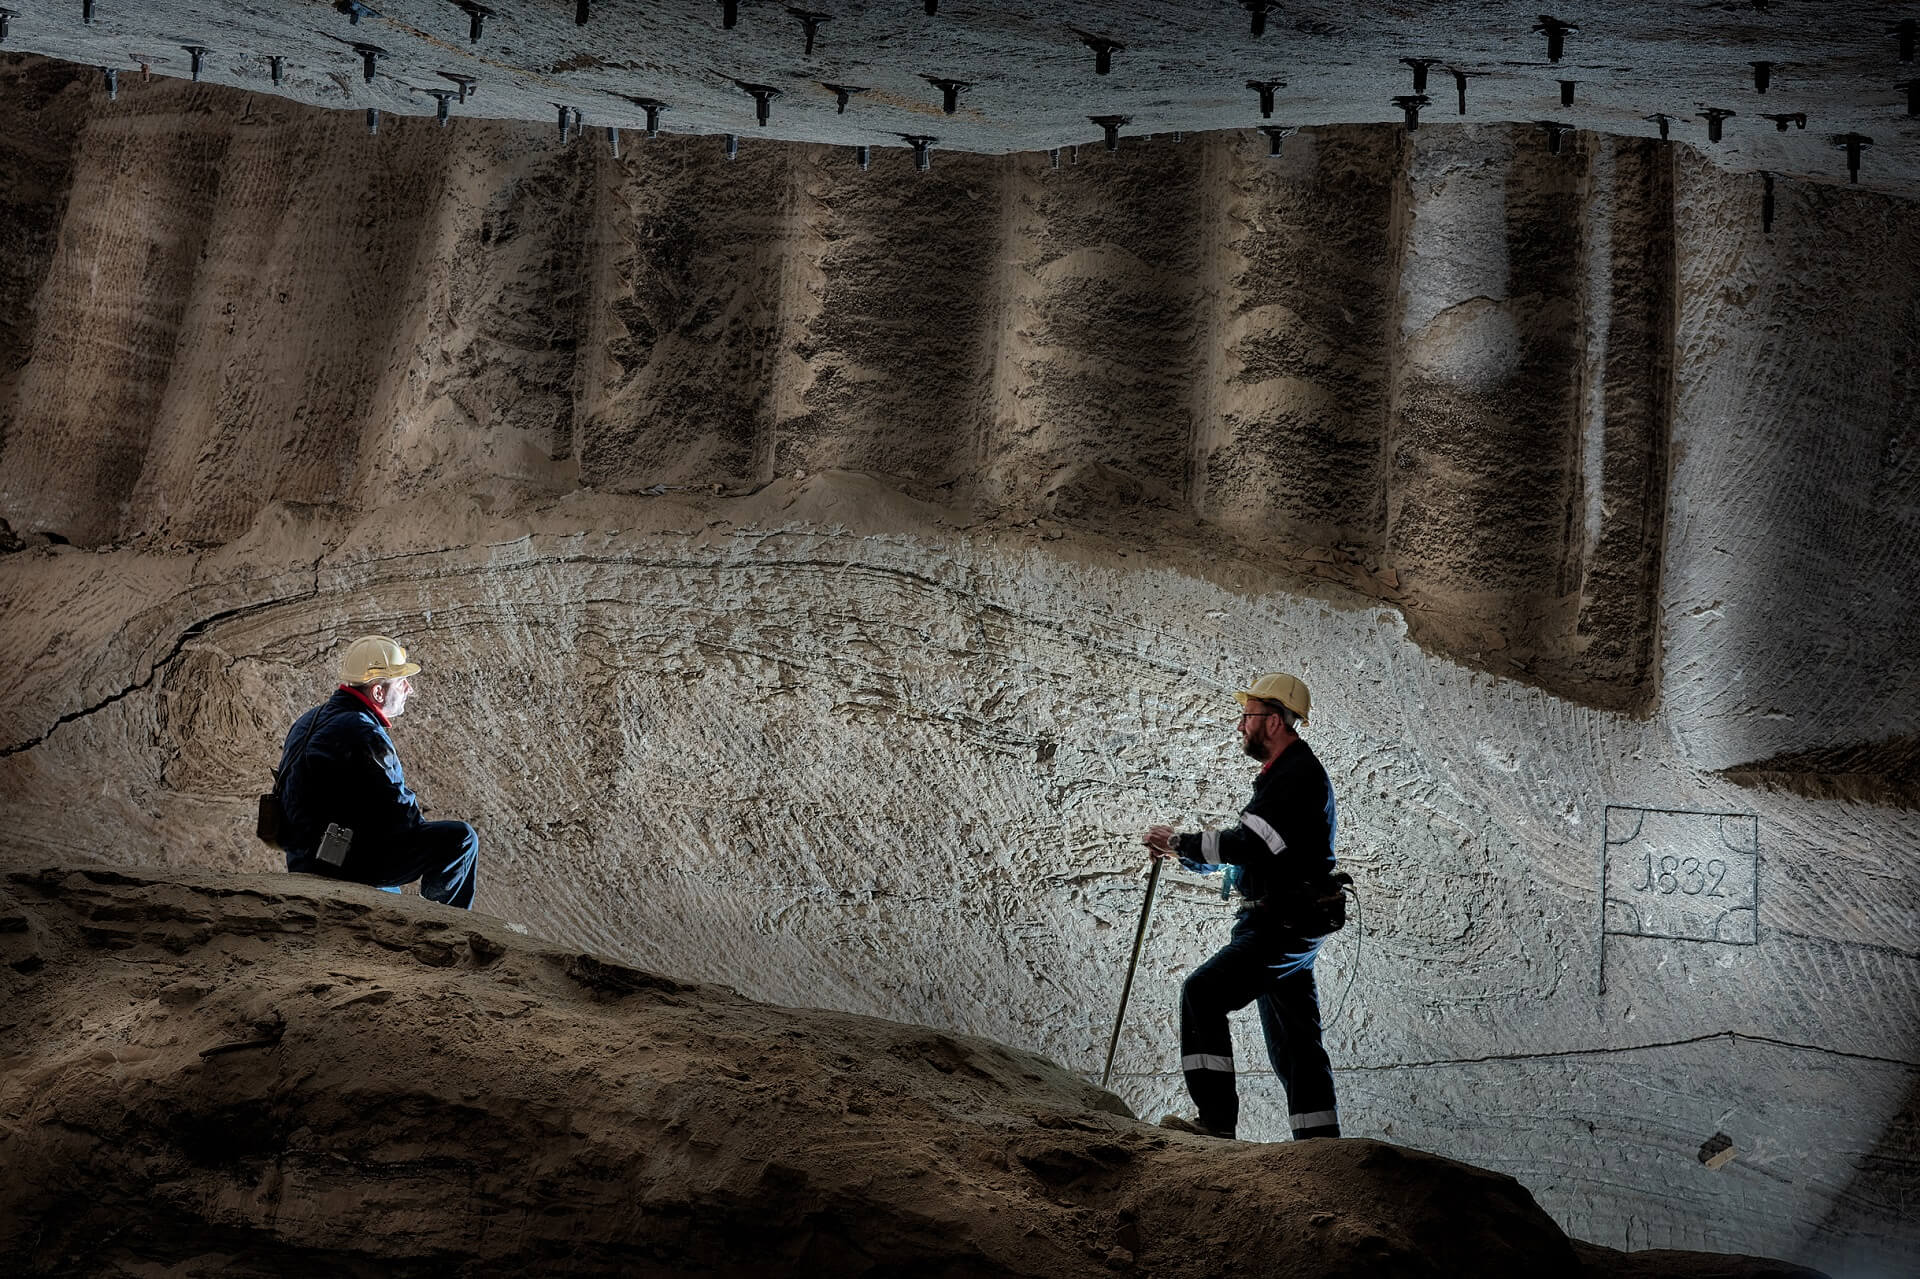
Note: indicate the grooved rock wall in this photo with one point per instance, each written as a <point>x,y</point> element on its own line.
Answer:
<point>1339,360</point>
<point>823,578</point>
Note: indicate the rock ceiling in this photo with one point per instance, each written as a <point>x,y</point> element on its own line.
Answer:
<point>1784,87</point>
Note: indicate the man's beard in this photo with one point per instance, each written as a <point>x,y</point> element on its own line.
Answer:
<point>1253,748</point>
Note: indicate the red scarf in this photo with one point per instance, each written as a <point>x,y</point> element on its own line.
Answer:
<point>375,708</point>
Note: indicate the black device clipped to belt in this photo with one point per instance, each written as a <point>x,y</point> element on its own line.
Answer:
<point>271,823</point>
<point>1316,907</point>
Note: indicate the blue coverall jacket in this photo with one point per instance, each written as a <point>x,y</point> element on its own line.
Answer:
<point>1282,843</point>
<point>348,772</point>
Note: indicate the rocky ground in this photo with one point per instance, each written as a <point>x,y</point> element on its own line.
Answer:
<point>266,1075</point>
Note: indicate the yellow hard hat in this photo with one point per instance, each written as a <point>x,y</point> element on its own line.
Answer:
<point>1284,689</point>
<point>375,657</point>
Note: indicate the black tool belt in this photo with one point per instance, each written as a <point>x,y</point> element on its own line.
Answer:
<point>1311,908</point>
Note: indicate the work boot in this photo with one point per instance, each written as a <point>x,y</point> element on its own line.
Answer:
<point>1179,1123</point>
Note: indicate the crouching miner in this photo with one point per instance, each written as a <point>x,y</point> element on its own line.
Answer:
<point>1280,859</point>
<point>345,809</point>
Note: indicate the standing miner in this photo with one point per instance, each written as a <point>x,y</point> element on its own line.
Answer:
<point>1280,857</point>
<point>346,809</point>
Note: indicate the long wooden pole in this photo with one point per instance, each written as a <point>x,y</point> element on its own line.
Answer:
<point>1126,991</point>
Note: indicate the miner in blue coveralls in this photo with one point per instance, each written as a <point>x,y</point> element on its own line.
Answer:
<point>340,768</point>
<point>1281,848</point>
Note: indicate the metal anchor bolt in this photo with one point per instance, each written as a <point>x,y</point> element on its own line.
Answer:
<point>949,92</point>
<point>112,78</point>
<point>810,25</point>
<point>1420,66</point>
<point>1852,142</point>
<point>1762,75</point>
<point>445,98</point>
<point>1110,125</point>
<point>1556,130</point>
<point>468,86</point>
<point>653,108</point>
<point>566,120</point>
<point>862,156</point>
<point>1102,51</point>
<point>933,8</point>
<point>579,13</point>
<point>613,141</point>
<point>86,11</point>
<point>729,14</point>
<point>1766,203</point>
<point>1265,89</point>
<point>277,67</point>
<point>1556,35</point>
<point>354,11</point>
<point>1460,86</point>
<point>1796,118</point>
<point>1714,116</point>
<point>1258,8</point>
<point>763,96</point>
<point>1053,158</point>
<point>841,93</point>
<point>1664,121</point>
<point>1906,29</point>
<point>477,15</point>
<point>1276,134</point>
<point>373,120</point>
<point>369,54</point>
<point>922,149</point>
<point>196,53</point>
<point>1566,92</point>
<point>1411,104</point>
<point>1913,95</point>
<point>733,146</point>
<point>6,15</point>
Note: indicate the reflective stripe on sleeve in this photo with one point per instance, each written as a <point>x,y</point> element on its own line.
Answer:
<point>1209,846</point>
<point>1317,1119</point>
<point>1258,825</point>
<point>1207,1061</point>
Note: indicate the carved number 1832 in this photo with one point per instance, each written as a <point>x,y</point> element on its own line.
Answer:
<point>1683,875</point>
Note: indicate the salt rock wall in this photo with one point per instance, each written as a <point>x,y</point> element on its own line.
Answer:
<point>1339,359</point>
<point>823,577</point>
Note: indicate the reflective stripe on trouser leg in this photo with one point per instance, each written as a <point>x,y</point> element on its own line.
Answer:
<point>1232,979</point>
<point>1290,1018</point>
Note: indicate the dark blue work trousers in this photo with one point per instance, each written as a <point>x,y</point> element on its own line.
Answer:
<point>1275,968</point>
<point>443,856</point>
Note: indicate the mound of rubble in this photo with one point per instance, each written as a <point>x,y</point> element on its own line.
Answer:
<point>273,1075</point>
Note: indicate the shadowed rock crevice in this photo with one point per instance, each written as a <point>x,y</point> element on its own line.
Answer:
<point>1627,422</point>
<point>905,274</point>
<point>1885,773</point>
<point>1297,452</point>
<point>36,171</point>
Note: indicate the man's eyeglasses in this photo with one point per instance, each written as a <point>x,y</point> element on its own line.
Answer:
<point>1246,715</point>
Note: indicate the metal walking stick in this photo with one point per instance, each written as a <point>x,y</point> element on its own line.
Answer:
<point>1139,936</point>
